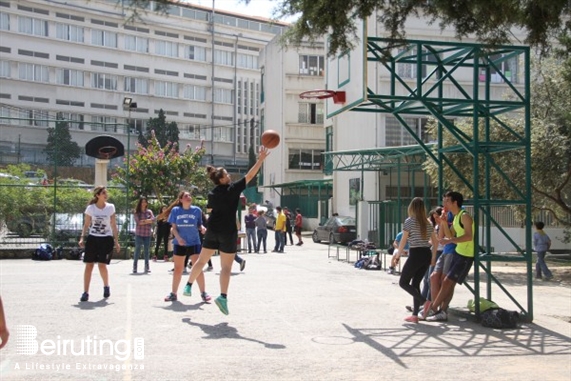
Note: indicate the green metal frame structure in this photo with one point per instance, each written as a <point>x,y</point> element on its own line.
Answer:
<point>454,80</point>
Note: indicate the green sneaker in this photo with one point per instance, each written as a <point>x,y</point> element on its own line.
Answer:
<point>187,290</point>
<point>222,304</point>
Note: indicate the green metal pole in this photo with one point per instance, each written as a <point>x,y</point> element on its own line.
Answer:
<point>528,190</point>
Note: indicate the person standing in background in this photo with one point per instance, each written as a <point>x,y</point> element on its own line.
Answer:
<point>298,226</point>
<point>250,219</point>
<point>288,226</point>
<point>162,232</point>
<point>279,231</point>
<point>262,230</point>
<point>541,243</point>
<point>4,333</point>
<point>144,219</point>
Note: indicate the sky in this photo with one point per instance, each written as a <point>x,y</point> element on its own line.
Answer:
<point>262,8</point>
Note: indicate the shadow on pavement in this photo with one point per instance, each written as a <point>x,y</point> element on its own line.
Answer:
<point>179,307</point>
<point>92,305</point>
<point>469,339</point>
<point>224,331</point>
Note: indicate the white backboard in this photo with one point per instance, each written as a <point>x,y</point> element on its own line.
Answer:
<point>347,71</point>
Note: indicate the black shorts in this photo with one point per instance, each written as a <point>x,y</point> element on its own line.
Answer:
<point>98,249</point>
<point>223,242</point>
<point>297,230</point>
<point>186,250</point>
<point>459,267</point>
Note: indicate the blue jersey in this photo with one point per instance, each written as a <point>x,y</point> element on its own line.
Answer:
<point>187,221</point>
<point>398,239</point>
<point>449,248</point>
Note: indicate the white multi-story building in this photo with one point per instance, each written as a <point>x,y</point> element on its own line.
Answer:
<point>285,74</point>
<point>79,59</point>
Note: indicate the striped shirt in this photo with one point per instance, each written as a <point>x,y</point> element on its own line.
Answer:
<point>414,234</point>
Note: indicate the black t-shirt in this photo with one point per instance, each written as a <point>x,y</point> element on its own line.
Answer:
<point>223,202</point>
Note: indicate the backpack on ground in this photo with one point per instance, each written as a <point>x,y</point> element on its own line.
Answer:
<point>75,254</point>
<point>500,318</point>
<point>374,263</point>
<point>44,252</point>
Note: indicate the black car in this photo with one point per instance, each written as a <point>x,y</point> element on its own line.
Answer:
<point>339,229</point>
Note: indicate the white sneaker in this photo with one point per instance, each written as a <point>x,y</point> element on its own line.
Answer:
<point>439,316</point>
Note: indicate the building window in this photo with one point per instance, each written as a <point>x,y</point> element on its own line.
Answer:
<point>311,113</point>
<point>509,68</point>
<point>196,53</point>
<point>33,26</point>
<point>223,96</point>
<point>70,77</point>
<point>247,61</point>
<point>311,65</point>
<point>103,123</point>
<point>396,135</point>
<point>5,69</point>
<point>409,70</point>
<point>74,121</point>
<point>222,57</point>
<point>166,89</point>
<point>166,48</point>
<point>34,118</point>
<point>223,134</point>
<point>307,159</point>
<point>36,73</point>
<point>69,32</point>
<point>136,85</point>
<point>194,92</point>
<point>104,81</point>
<point>104,38</point>
<point>4,21</point>
<point>137,44</point>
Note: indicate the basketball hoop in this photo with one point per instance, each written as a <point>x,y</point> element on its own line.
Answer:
<point>107,152</point>
<point>338,96</point>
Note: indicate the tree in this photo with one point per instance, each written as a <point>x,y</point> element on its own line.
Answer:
<point>490,21</point>
<point>164,132</point>
<point>252,159</point>
<point>61,150</point>
<point>550,147</point>
<point>162,171</point>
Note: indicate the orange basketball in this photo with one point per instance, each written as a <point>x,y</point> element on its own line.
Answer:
<point>270,139</point>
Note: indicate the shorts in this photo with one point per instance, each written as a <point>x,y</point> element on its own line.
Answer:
<point>223,242</point>
<point>443,263</point>
<point>459,267</point>
<point>98,249</point>
<point>183,251</point>
<point>298,230</point>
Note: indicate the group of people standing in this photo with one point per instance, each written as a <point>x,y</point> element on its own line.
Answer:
<point>257,229</point>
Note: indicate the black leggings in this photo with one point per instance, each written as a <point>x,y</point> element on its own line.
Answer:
<point>164,237</point>
<point>412,273</point>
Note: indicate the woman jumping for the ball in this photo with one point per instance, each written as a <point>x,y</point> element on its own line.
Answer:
<point>221,233</point>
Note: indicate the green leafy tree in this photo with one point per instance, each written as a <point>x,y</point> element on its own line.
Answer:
<point>550,148</point>
<point>251,162</point>
<point>489,20</point>
<point>164,132</point>
<point>162,171</point>
<point>60,149</point>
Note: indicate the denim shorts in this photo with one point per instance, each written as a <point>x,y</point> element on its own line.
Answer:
<point>443,263</point>
<point>459,267</point>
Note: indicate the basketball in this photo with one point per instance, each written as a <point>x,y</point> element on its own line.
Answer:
<point>270,139</point>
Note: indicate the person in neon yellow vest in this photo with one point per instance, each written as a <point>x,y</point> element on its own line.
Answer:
<point>460,233</point>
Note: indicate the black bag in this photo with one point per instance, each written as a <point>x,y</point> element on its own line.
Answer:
<point>391,250</point>
<point>500,318</point>
<point>75,254</point>
<point>374,263</point>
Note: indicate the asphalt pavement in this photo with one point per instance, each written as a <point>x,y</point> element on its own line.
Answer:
<point>300,315</point>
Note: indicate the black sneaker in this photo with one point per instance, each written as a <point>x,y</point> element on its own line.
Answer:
<point>243,265</point>
<point>84,297</point>
<point>106,292</point>
<point>170,297</point>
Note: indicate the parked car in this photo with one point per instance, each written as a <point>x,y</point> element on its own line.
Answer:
<point>6,176</point>
<point>72,183</point>
<point>35,177</point>
<point>27,225</point>
<point>339,229</point>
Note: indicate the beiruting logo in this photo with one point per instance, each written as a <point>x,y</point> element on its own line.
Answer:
<point>27,344</point>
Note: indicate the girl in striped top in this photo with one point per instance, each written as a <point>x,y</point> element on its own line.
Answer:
<point>419,234</point>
